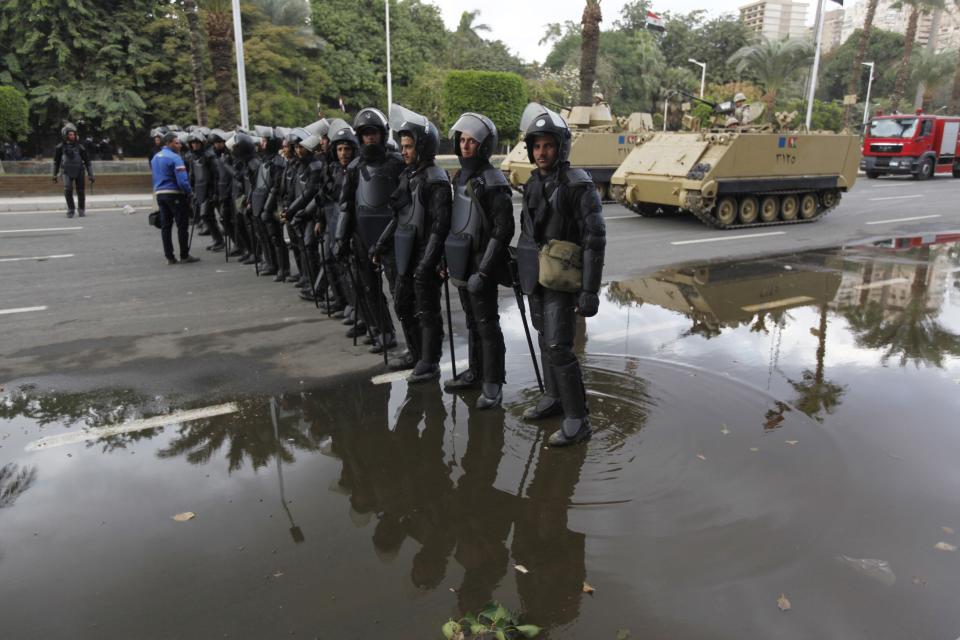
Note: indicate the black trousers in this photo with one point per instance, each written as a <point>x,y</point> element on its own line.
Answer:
<point>69,184</point>
<point>485,339</point>
<point>554,317</point>
<point>174,209</point>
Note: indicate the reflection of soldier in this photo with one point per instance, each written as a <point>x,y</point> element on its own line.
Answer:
<point>543,542</point>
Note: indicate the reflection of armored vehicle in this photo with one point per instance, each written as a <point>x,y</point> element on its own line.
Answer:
<point>739,176</point>
<point>599,144</point>
<point>734,294</point>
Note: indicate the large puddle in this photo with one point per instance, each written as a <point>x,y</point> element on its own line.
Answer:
<point>765,427</point>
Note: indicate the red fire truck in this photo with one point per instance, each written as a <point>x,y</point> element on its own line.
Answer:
<point>920,145</point>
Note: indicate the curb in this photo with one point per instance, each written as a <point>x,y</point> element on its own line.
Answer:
<point>102,203</point>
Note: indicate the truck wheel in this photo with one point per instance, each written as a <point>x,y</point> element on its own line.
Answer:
<point>956,170</point>
<point>769,208</point>
<point>749,210</point>
<point>808,206</point>
<point>925,170</point>
<point>726,211</point>
<point>872,175</point>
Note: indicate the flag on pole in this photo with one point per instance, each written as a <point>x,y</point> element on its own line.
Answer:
<point>654,22</point>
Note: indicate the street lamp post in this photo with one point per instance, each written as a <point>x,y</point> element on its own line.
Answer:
<point>389,75</point>
<point>866,106</point>
<point>816,62</point>
<point>241,70</point>
<point>703,74</point>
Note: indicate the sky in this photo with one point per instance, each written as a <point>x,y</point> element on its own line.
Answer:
<point>520,23</point>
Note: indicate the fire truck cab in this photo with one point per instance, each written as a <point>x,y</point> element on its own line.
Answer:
<point>920,145</point>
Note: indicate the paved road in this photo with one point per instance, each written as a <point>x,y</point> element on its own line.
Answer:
<point>90,302</point>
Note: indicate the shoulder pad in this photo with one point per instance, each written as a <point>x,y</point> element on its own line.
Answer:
<point>279,161</point>
<point>317,165</point>
<point>494,178</point>
<point>577,177</point>
<point>437,175</point>
<point>354,164</point>
<point>393,156</point>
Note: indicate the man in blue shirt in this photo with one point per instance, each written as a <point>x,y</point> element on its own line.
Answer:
<point>171,186</point>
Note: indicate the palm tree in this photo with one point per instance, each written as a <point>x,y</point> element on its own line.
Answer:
<point>285,13</point>
<point>218,20</point>
<point>816,393</point>
<point>930,70</point>
<point>467,29</point>
<point>917,8</point>
<point>772,63</point>
<point>930,50</point>
<point>857,71</point>
<point>14,481</point>
<point>196,60</point>
<point>589,49</point>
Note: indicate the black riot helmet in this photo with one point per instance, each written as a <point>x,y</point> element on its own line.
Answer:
<point>536,121</point>
<point>269,134</point>
<point>371,118</point>
<point>424,133</point>
<point>184,137</point>
<point>244,145</point>
<point>294,136</point>
<point>340,132</point>
<point>204,130</point>
<point>158,132</point>
<point>67,128</point>
<point>217,135</point>
<point>480,128</point>
<point>196,136</point>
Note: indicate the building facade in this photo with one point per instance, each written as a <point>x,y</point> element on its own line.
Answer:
<point>776,19</point>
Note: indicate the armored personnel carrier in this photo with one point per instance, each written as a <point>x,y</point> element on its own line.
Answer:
<point>739,175</point>
<point>600,144</point>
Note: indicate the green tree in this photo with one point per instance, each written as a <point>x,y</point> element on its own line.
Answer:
<point>195,38</point>
<point>863,40</point>
<point>929,71</point>
<point>709,40</point>
<point>14,110</point>
<point>500,96</point>
<point>218,22</point>
<point>884,48</point>
<point>917,8</point>
<point>772,63</point>
<point>589,49</point>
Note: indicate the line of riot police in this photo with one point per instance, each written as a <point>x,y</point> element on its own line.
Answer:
<point>360,207</point>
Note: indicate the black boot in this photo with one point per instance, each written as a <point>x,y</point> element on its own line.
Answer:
<point>424,372</point>
<point>463,382</point>
<point>386,341</point>
<point>357,330</point>
<point>549,403</point>
<point>402,362</point>
<point>576,425</point>
<point>491,397</point>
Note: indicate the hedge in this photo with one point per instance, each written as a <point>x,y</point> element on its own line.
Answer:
<point>14,124</point>
<point>498,95</point>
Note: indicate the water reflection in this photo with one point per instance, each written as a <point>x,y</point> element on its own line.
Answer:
<point>14,481</point>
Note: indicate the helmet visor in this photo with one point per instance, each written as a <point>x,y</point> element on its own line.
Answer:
<point>263,131</point>
<point>318,128</point>
<point>534,112</point>
<point>471,125</point>
<point>402,119</point>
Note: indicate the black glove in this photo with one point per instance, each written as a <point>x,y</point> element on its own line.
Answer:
<point>54,178</point>
<point>374,254</point>
<point>340,250</point>
<point>91,179</point>
<point>587,304</point>
<point>476,282</point>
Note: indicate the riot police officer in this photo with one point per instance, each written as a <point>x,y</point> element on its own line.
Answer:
<point>246,164</point>
<point>562,223</point>
<point>301,211</point>
<point>417,231</point>
<point>365,212</point>
<point>73,159</point>
<point>261,204</point>
<point>202,179</point>
<point>341,152</point>
<point>223,194</point>
<point>477,252</point>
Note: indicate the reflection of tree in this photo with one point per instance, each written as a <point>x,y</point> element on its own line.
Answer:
<point>621,295</point>
<point>246,434</point>
<point>14,481</point>
<point>816,393</point>
<point>910,333</point>
<point>89,409</point>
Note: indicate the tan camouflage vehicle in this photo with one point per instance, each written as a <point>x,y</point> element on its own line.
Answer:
<point>600,144</point>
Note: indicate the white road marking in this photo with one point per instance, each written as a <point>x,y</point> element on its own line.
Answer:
<point>4,312</point>
<point>721,238</point>
<point>936,215</point>
<point>397,376</point>
<point>61,211</point>
<point>620,217</point>
<point>96,433</point>
<point>897,198</point>
<point>882,283</point>
<point>46,229</point>
<point>41,258</point>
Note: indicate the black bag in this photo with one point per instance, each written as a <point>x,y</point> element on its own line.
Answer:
<point>153,218</point>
